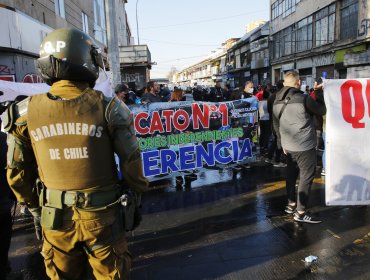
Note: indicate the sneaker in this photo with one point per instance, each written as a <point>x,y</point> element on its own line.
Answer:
<point>290,209</point>
<point>269,161</point>
<point>323,172</point>
<point>280,164</point>
<point>305,218</point>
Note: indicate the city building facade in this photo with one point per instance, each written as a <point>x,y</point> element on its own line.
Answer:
<point>212,69</point>
<point>260,55</point>
<point>320,39</point>
<point>135,64</point>
<point>24,24</point>
<point>239,62</point>
<point>234,63</point>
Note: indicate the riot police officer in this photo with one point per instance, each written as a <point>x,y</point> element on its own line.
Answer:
<point>67,138</point>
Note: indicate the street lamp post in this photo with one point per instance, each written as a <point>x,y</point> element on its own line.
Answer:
<point>137,25</point>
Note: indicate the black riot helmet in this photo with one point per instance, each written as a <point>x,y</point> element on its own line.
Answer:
<point>69,54</point>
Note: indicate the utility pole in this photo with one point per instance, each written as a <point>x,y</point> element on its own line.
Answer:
<point>137,25</point>
<point>112,44</point>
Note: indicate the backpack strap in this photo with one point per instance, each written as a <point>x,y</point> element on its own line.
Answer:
<point>286,101</point>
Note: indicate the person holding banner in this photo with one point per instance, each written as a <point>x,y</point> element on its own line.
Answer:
<point>320,125</point>
<point>177,96</point>
<point>293,121</point>
<point>61,163</point>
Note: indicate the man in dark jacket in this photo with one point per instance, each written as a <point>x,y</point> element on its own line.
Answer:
<point>227,92</point>
<point>294,125</point>
<point>152,95</point>
<point>273,149</point>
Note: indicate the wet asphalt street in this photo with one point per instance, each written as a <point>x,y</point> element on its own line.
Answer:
<point>231,225</point>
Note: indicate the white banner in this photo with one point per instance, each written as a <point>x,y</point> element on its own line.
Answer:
<point>347,142</point>
<point>10,90</point>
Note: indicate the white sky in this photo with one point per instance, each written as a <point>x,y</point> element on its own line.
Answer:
<point>181,33</point>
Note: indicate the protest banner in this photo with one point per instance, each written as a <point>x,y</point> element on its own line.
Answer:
<point>347,142</point>
<point>180,137</point>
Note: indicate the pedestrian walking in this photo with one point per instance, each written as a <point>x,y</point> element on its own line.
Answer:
<point>67,138</point>
<point>294,124</point>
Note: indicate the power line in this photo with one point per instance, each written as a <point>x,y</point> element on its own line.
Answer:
<point>201,21</point>
<point>182,58</point>
<point>184,44</point>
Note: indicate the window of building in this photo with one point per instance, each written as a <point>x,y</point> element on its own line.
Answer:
<point>288,40</point>
<point>85,23</point>
<point>260,58</point>
<point>237,60</point>
<point>289,7</point>
<point>348,19</point>
<point>59,8</point>
<point>283,7</point>
<point>304,34</point>
<point>325,25</point>
<point>100,32</point>
<point>243,59</point>
<point>273,10</point>
<point>276,45</point>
